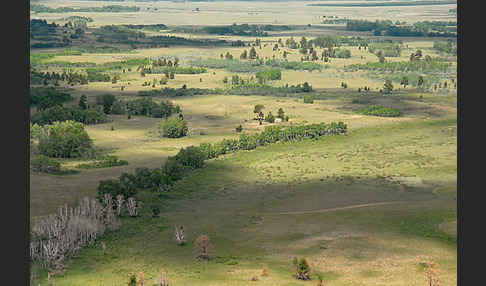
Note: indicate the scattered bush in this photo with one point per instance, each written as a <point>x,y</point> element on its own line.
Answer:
<point>239,128</point>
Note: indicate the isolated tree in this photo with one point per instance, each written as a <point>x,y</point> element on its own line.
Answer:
<point>388,86</point>
<point>404,81</point>
<point>244,55</point>
<point>235,79</point>
<point>253,53</point>
<point>420,82</point>
<point>306,87</point>
<point>260,117</point>
<point>281,113</point>
<point>83,102</point>
<point>303,42</point>
<point>258,108</point>
<point>285,54</point>
<point>228,56</point>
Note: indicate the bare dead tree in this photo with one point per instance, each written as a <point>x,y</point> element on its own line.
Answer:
<point>120,200</point>
<point>180,235</point>
<point>60,236</point>
<point>133,207</point>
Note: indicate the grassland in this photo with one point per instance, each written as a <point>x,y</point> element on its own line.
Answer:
<point>367,208</point>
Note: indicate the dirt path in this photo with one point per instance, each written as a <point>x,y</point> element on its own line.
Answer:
<point>338,209</point>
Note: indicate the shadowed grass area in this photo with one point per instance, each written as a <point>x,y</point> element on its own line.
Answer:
<point>239,207</point>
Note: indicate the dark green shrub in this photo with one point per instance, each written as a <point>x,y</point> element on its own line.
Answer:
<point>173,127</point>
<point>239,128</point>
<point>191,157</point>
<point>174,169</point>
<point>83,102</point>
<point>107,101</point>
<point>306,87</point>
<point>46,97</point>
<point>118,107</point>
<point>45,164</point>
<point>66,139</point>
<point>114,188</point>
<point>160,181</point>
<point>155,211</point>
<point>128,183</point>
<point>143,177</point>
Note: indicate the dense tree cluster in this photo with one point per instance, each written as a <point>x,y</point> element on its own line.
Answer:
<point>193,157</point>
<point>67,139</point>
<point>173,127</point>
<point>147,107</point>
<point>244,29</point>
<point>44,98</point>
<point>176,92</point>
<point>62,113</point>
<point>418,29</point>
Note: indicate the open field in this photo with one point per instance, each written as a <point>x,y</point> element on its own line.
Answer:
<point>369,207</point>
<point>227,13</point>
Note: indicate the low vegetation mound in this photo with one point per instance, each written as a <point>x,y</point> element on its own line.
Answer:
<point>382,111</point>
